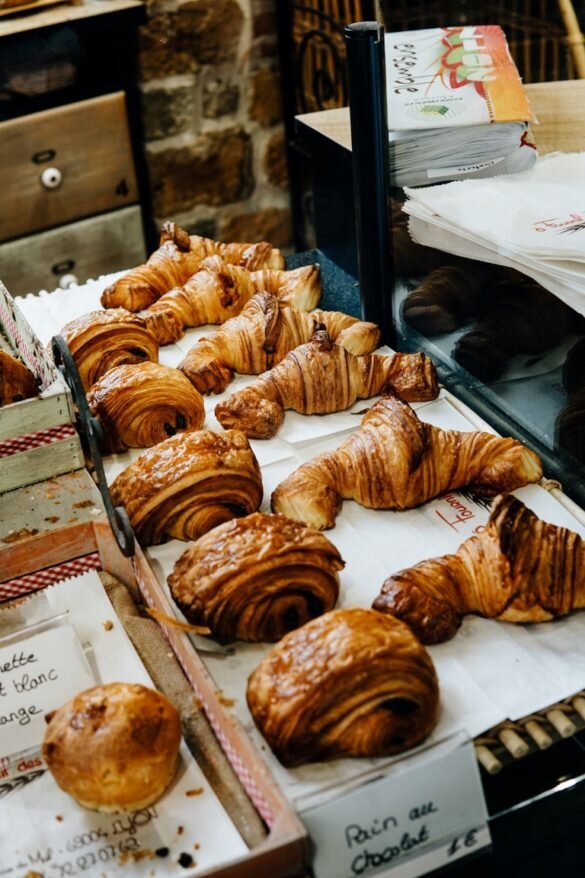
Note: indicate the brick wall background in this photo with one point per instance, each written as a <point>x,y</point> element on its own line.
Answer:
<point>213,118</point>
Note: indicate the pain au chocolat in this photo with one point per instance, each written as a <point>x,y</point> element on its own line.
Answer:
<point>350,683</point>
<point>100,340</point>
<point>141,404</point>
<point>519,569</point>
<point>396,461</point>
<point>114,747</point>
<point>188,484</point>
<point>256,578</point>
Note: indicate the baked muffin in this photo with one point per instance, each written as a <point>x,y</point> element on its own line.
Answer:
<point>113,747</point>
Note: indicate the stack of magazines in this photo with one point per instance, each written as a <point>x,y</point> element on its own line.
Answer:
<point>456,106</point>
<point>533,222</point>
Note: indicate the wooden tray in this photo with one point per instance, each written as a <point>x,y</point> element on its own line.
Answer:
<point>37,436</point>
<point>284,851</point>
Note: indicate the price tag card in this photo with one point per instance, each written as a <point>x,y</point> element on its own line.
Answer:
<point>38,674</point>
<point>419,816</point>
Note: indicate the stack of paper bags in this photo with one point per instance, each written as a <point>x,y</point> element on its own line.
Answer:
<point>533,222</point>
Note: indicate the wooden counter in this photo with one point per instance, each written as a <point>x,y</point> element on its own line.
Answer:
<point>558,106</point>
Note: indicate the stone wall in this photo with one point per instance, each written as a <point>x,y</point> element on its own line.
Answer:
<point>213,118</point>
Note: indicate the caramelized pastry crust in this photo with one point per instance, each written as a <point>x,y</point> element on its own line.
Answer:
<point>219,291</point>
<point>321,377</point>
<point>142,404</point>
<point>114,747</point>
<point>256,578</point>
<point>100,340</point>
<point>17,382</point>
<point>262,335</point>
<point>188,484</point>
<point>351,683</point>
<point>519,569</point>
<point>395,461</point>
<point>164,325</point>
<point>178,257</point>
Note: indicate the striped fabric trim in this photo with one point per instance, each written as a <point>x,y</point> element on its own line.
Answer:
<point>14,588</point>
<point>35,440</point>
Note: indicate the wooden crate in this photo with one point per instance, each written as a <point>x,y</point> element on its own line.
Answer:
<point>38,438</point>
<point>284,850</point>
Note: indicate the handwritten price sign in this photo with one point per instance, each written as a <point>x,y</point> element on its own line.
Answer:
<point>37,675</point>
<point>418,817</point>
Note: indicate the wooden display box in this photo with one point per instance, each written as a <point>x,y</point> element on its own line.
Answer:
<point>284,850</point>
<point>37,436</point>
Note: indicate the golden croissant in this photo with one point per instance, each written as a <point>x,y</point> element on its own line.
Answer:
<point>262,335</point>
<point>219,291</point>
<point>320,377</point>
<point>178,257</point>
<point>100,340</point>
<point>519,569</point>
<point>164,325</point>
<point>350,683</point>
<point>395,461</point>
<point>188,484</point>
<point>256,578</point>
<point>142,404</point>
<point>17,382</point>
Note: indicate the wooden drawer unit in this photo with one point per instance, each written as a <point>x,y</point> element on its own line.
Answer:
<point>64,164</point>
<point>74,253</point>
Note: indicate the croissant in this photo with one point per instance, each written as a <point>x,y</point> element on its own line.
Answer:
<point>188,484</point>
<point>320,377</point>
<point>164,325</point>
<point>100,340</point>
<point>257,578</point>
<point>219,291</point>
<point>141,404</point>
<point>449,296</point>
<point>262,335</point>
<point>17,382</point>
<point>178,257</point>
<point>395,461</point>
<point>525,318</point>
<point>519,569</point>
<point>350,683</point>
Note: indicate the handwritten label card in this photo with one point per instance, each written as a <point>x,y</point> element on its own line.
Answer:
<point>404,824</point>
<point>37,675</point>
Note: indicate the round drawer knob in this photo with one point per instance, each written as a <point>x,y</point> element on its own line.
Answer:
<point>51,178</point>
<point>67,281</point>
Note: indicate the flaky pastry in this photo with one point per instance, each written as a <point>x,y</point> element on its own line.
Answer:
<point>262,335</point>
<point>321,377</point>
<point>395,461</point>
<point>351,683</point>
<point>519,569</point>
<point>141,404</point>
<point>100,340</point>
<point>188,484</point>
<point>17,382</point>
<point>256,578</point>
<point>178,257</point>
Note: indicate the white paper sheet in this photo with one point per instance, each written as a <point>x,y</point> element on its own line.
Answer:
<point>488,672</point>
<point>43,830</point>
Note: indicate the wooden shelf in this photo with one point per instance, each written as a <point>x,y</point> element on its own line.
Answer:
<point>35,18</point>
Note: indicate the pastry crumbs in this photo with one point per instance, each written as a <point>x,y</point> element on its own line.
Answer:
<point>83,504</point>
<point>196,792</point>
<point>107,625</point>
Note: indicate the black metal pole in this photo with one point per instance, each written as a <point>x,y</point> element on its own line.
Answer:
<point>370,151</point>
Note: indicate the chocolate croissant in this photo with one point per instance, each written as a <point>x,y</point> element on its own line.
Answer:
<point>351,683</point>
<point>395,461</point>
<point>219,291</point>
<point>519,569</point>
<point>189,484</point>
<point>100,340</point>
<point>320,377</point>
<point>17,382</point>
<point>262,335</point>
<point>178,257</point>
<point>141,404</point>
<point>256,578</point>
